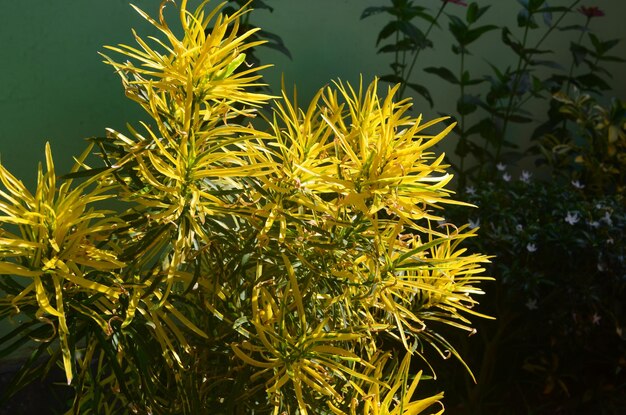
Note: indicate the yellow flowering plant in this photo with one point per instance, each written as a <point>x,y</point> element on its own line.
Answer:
<point>289,261</point>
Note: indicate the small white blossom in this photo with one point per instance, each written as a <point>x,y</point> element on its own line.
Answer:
<point>610,241</point>
<point>531,304</point>
<point>470,190</point>
<point>519,227</point>
<point>607,219</point>
<point>596,319</point>
<point>474,224</point>
<point>506,177</point>
<point>601,267</point>
<point>578,184</point>
<point>500,167</point>
<point>572,218</point>
<point>531,247</point>
<point>593,224</point>
<point>525,176</point>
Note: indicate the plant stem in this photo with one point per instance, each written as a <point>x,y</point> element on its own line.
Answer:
<point>523,69</point>
<point>462,138</point>
<point>571,67</point>
<point>405,76</point>
<point>516,82</point>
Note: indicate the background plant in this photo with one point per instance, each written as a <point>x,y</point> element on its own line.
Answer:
<point>559,284</point>
<point>489,104</point>
<point>283,262</point>
<point>593,153</point>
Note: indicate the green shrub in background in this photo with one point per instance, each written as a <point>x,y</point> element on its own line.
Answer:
<point>558,344</point>
<point>283,263</point>
<point>488,105</point>
<point>595,154</point>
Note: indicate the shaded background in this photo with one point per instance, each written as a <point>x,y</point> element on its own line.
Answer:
<point>54,86</point>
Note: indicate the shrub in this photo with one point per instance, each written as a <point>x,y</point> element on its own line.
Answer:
<point>246,262</point>
<point>558,345</point>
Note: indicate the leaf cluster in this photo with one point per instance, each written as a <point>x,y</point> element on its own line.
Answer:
<point>289,262</point>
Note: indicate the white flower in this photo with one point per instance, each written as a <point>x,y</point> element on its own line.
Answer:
<point>531,247</point>
<point>572,218</point>
<point>601,267</point>
<point>607,219</point>
<point>531,304</point>
<point>474,224</point>
<point>593,224</point>
<point>506,177</point>
<point>525,176</point>
<point>470,190</point>
<point>610,241</point>
<point>596,319</point>
<point>519,227</point>
<point>500,167</point>
<point>578,184</point>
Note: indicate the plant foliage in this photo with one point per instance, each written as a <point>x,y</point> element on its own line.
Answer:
<point>282,263</point>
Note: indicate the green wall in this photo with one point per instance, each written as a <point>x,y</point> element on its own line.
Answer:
<point>55,88</point>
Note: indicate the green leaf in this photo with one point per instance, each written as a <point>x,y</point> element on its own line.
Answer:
<point>520,118</point>
<point>548,64</point>
<point>443,73</point>
<point>370,11</point>
<point>535,5</point>
<point>611,59</point>
<point>579,53</point>
<point>474,34</point>
<point>404,45</point>
<point>389,29</point>
<point>515,46</point>
<point>597,44</point>
<point>600,46</point>
<point>592,81</point>
<point>413,32</point>
<point>466,80</point>
<point>458,28</point>
<point>577,27</point>
<point>525,18</point>
<point>486,128</point>
<point>472,13</point>
<point>465,105</point>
